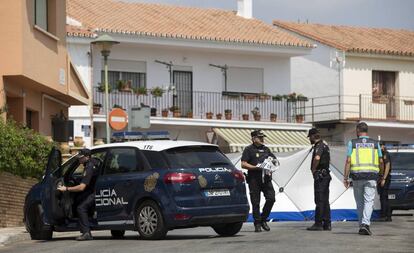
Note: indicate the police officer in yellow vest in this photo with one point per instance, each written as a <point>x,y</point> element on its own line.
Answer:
<point>363,165</point>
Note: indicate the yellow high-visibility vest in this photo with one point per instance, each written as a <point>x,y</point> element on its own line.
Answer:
<point>364,157</point>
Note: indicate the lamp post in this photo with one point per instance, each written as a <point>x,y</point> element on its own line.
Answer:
<point>104,43</point>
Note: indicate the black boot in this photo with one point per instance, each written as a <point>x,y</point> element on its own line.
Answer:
<point>315,227</point>
<point>364,230</point>
<point>257,228</point>
<point>265,226</point>
<point>85,237</point>
<point>327,226</point>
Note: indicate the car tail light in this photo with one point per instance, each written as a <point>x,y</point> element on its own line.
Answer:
<point>238,175</point>
<point>179,178</point>
<point>181,216</point>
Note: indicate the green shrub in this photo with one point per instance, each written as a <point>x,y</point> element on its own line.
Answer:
<point>23,151</point>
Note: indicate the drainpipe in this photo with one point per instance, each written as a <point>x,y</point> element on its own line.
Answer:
<point>92,93</point>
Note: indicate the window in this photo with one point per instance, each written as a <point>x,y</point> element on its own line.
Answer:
<point>383,86</point>
<point>136,79</point>
<point>155,159</point>
<point>41,13</point>
<point>245,79</point>
<point>402,160</point>
<point>195,157</point>
<point>122,160</point>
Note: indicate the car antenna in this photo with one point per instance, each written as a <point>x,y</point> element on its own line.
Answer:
<point>178,134</point>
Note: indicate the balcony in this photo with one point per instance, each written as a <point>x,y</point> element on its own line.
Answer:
<point>209,105</point>
<point>361,107</point>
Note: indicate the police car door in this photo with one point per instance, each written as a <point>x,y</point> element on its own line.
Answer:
<point>116,188</point>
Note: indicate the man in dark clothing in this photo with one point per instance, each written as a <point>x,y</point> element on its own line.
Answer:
<point>384,184</point>
<point>86,198</point>
<point>322,178</point>
<point>252,156</point>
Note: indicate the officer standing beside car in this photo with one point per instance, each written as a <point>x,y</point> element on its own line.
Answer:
<point>322,178</point>
<point>86,189</point>
<point>253,155</point>
<point>384,184</point>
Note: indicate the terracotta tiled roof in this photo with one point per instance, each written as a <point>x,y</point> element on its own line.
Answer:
<point>356,39</point>
<point>167,21</point>
<point>76,31</point>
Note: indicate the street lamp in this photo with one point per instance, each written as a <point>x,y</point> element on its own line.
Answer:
<point>104,43</point>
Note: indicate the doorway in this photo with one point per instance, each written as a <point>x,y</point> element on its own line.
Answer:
<point>183,81</point>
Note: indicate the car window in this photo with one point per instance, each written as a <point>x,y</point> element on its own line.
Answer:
<point>65,167</point>
<point>98,156</point>
<point>402,160</point>
<point>195,156</point>
<point>122,160</point>
<point>155,159</point>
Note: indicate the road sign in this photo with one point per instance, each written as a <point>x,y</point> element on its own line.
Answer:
<point>118,119</point>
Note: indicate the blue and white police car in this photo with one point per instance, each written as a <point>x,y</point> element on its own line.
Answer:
<point>148,186</point>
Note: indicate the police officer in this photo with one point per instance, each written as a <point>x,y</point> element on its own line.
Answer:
<point>322,178</point>
<point>253,155</point>
<point>363,164</point>
<point>86,190</point>
<point>384,184</point>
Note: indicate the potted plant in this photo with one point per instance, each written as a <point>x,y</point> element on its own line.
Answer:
<point>299,118</point>
<point>256,114</point>
<point>228,114</point>
<point>153,111</point>
<point>219,115</point>
<point>142,91</point>
<point>273,117</point>
<point>96,108</point>
<point>176,111</point>
<point>209,115</point>
<point>157,91</point>
<point>124,85</point>
<point>264,96</point>
<point>277,97</point>
<point>190,114</point>
<point>101,88</point>
<point>164,112</point>
<point>245,116</point>
<point>292,97</point>
<point>301,97</point>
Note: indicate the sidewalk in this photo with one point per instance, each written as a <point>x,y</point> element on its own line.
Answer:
<point>12,235</point>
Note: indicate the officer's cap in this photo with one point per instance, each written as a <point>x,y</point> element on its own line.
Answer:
<point>257,133</point>
<point>84,152</point>
<point>313,131</point>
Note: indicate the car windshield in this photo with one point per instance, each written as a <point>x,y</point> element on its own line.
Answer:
<point>402,160</point>
<point>195,157</point>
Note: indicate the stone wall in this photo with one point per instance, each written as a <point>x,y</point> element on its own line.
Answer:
<point>13,190</point>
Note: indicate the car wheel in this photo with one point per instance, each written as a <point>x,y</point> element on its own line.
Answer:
<point>117,234</point>
<point>35,225</point>
<point>149,221</point>
<point>228,229</point>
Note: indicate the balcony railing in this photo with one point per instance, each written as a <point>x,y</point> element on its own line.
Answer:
<point>197,104</point>
<point>361,107</point>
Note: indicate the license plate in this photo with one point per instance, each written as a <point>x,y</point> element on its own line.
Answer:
<point>391,196</point>
<point>217,193</point>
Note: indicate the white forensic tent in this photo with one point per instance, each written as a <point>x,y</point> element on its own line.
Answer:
<point>293,184</point>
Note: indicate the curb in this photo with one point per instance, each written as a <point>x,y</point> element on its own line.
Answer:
<point>11,238</point>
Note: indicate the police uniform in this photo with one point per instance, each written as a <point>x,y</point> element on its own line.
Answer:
<point>254,155</point>
<point>86,198</point>
<point>322,179</point>
<point>383,191</point>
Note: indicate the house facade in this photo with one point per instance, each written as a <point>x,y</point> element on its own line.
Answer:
<point>356,74</point>
<point>38,81</point>
<point>193,67</point>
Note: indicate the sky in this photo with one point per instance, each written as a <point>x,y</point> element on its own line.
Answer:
<point>397,14</point>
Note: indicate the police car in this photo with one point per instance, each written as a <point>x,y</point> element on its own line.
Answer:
<point>401,191</point>
<point>148,186</point>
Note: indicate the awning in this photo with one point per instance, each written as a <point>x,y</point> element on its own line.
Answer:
<point>276,140</point>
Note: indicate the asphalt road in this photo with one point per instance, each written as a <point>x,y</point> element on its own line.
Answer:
<point>396,236</point>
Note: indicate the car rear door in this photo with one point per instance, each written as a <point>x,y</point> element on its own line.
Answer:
<point>203,176</point>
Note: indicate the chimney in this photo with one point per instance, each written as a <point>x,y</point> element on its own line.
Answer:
<point>244,8</point>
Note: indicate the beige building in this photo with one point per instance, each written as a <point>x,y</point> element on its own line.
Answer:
<point>37,78</point>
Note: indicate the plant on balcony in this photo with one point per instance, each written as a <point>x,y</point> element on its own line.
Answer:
<point>277,98</point>
<point>273,117</point>
<point>96,108</point>
<point>245,116</point>
<point>219,116</point>
<point>209,115</point>
<point>291,97</point>
<point>142,91</point>
<point>125,86</point>
<point>101,87</point>
<point>190,114</point>
<point>256,114</point>
<point>299,118</point>
<point>164,112</point>
<point>176,111</point>
<point>153,111</point>
<point>157,91</point>
<point>264,96</point>
<point>301,97</point>
<point>228,114</point>
<point>249,96</point>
